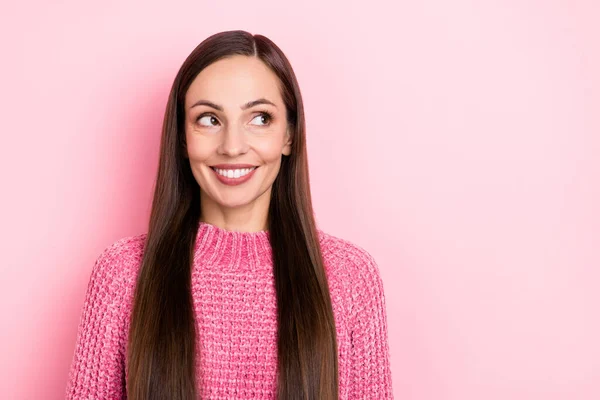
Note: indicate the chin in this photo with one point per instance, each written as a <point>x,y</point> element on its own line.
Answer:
<point>232,200</point>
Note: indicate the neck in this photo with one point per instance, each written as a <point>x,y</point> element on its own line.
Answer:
<point>245,227</point>
<point>250,217</point>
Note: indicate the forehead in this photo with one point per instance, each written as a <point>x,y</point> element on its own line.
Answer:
<point>233,81</point>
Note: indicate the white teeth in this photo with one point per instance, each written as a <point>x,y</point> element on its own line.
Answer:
<point>234,173</point>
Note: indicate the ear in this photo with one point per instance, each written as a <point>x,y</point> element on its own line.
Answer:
<point>287,147</point>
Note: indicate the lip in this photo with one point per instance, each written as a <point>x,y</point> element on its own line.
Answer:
<point>233,181</point>
<point>232,166</point>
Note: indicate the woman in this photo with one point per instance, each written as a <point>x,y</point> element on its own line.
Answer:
<point>233,293</point>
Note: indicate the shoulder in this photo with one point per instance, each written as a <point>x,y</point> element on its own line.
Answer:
<point>123,251</point>
<point>354,268</point>
<point>350,261</point>
<point>118,262</point>
<point>344,250</point>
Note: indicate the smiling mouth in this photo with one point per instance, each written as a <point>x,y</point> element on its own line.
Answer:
<point>234,173</point>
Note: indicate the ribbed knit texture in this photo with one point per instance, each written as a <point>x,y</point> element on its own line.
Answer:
<point>235,305</point>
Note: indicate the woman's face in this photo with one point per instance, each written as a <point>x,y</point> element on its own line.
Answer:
<point>226,123</point>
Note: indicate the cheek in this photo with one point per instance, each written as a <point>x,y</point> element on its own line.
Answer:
<point>269,150</point>
<point>197,149</point>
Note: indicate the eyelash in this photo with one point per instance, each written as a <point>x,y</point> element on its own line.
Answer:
<point>268,114</point>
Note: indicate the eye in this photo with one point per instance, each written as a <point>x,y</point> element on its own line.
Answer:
<point>264,115</point>
<point>209,118</point>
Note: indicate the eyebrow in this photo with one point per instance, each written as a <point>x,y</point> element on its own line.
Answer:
<point>243,106</point>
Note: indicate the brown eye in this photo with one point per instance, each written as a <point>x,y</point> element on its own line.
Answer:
<point>265,118</point>
<point>209,118</point>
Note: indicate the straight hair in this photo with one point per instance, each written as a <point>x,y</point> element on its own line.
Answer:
<point>161,352</point>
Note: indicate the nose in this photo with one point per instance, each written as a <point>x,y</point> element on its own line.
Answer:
<point>233,141</point>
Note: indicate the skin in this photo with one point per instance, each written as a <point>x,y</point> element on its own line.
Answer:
<point>234,135</point>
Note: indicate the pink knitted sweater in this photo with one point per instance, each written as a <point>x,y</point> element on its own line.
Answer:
<point>235,308</point>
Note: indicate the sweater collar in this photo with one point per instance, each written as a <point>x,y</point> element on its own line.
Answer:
<point>232,248</point>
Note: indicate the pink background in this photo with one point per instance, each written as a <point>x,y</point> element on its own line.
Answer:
<point>458,142</point>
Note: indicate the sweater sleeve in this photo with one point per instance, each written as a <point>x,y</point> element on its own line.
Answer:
<point>97,366</point>
<point>370,356</point>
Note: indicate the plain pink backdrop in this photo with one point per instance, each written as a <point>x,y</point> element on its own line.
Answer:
<point>458,142</point>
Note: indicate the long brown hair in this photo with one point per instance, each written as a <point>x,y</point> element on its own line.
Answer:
<point>161,348</point>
